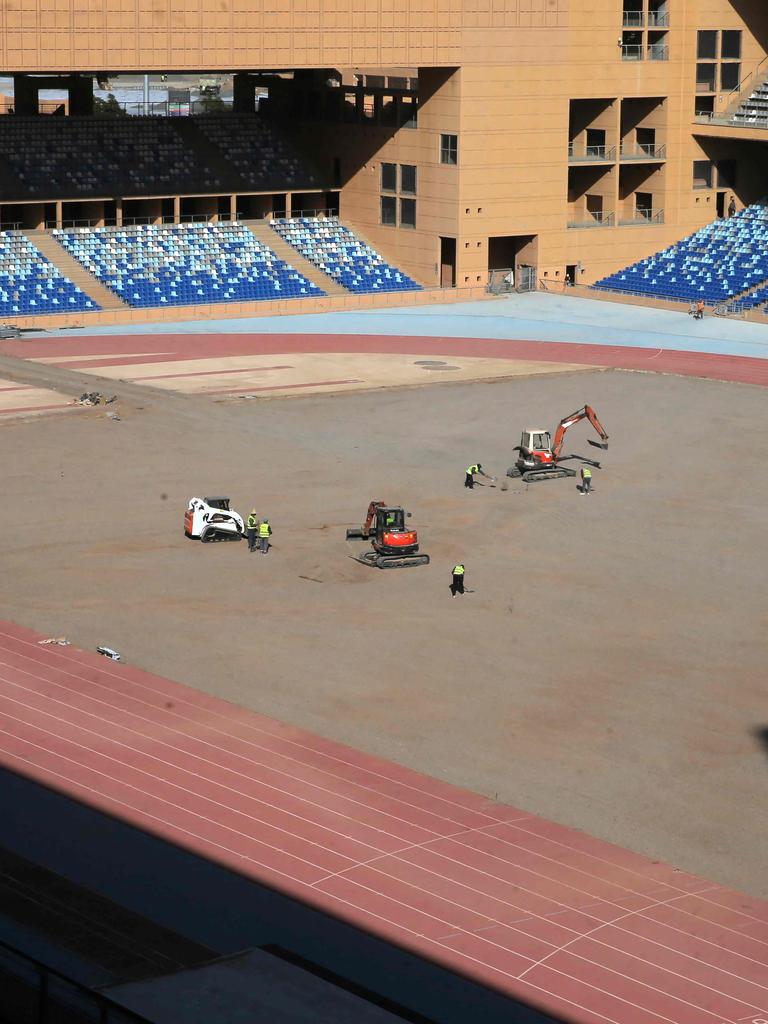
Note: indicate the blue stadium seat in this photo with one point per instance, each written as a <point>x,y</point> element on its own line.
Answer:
<point>185,264</point>
<point>716,263</point>
<point>30,284</point>
<point>342,256</point>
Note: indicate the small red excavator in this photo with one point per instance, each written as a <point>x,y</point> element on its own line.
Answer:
<point>393,546</point>
<point>540,459</point>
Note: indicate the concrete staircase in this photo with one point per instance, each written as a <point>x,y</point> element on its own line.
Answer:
<point>280,247</point>
<point>69,267</point>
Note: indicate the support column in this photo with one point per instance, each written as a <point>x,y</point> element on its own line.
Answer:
<point>177,209</point>
<point>233,207</point>
<point>24,95</point>
<point>243,93</point>
<point>288,198</point>
<point>119,212</point>
<point>80,95</point>
<point>59,213</point>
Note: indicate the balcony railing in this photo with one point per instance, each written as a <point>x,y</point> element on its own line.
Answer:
<point>644,151</point>
<point>594,220</point>
<point>633,19</point>
<point>643,216</point>
<point>658,51</point>
<point>592,154</point>
<point>658,19</point>
<point>631,51</point>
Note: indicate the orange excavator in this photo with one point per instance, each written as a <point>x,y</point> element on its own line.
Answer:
<point>540,459</point>
<point>393,546</point>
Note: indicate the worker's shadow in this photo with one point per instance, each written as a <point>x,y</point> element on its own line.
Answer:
<point>761,735</point>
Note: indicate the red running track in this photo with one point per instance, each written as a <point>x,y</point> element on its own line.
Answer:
<point>114,349</point>
<point>580,929</point>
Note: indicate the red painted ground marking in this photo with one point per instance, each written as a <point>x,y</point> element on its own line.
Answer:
<point>582,930</point>
<point>280,387</point>
<point>35,408</point>
<point>739,369</point>
<point>210,373</point>
<point>19,387</point>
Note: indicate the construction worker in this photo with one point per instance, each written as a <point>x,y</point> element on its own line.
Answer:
<point>586,479</point>
<point>265,532</point>
<point>251,527</point>
<point>457,585</point>
<point>469,479</point>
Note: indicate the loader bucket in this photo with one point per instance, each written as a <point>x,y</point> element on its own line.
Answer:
<point>598,444</point>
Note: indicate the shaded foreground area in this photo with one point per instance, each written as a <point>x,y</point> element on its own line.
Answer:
<point>603,673</point>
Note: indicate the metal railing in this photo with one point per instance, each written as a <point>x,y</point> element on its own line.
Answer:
<point>658,19</point>
<point>658,51</point>
<point>38,994</point>
<point>633,19</point>
<point>643,216</point>
<point>595,220</point>
<point>70,223</point>
<point>643,151</point>
<point>631,51</point>
<point>708,117</point>
<point>732,100</point>
<point>607,153</point>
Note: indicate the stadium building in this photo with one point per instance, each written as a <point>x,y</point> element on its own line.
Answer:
<point>559,140</point>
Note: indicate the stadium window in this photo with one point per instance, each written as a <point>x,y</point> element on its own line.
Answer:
<point>702,174</point>
<point>389,211</point>
<point>407,213</point>
<point>705,77</point>
<point>706,45</point>
<point>730,45</point>
<point>408,179</point>
<point>389,177</point>
<point>729,76</point>
<point>369,106</point>
<point>449,149</point>
<point>408,112</point>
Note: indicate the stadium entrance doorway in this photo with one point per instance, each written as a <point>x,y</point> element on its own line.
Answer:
<point>520,252</point>
<point>447,262</point>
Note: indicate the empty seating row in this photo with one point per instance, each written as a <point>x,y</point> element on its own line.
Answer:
<point>30,284</point>
<point>185,264</point>
<point>342,255</point>
<point>717,263</point>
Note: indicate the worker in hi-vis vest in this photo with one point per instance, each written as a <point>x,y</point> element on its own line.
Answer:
<point>250,530</point>
<point>469,479</point>
<point>265,532</point>
<point>586,479</point>
<point>457,586</point>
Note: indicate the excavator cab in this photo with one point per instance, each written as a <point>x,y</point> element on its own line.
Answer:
<point>538,441</point>
<point>389,520</point>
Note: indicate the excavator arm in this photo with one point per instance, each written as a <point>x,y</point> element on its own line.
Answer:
<point>587,413</point>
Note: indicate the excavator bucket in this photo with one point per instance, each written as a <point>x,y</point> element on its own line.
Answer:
<point>355,533</point>
<point>598,444</point>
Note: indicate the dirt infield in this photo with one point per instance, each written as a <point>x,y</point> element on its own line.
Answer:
<point>607,669</point>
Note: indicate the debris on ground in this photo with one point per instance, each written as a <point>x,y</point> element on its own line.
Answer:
<point>112,416</point>
<point>94,398</point>
<point>504,485</point>
<point>108,653</point>
<point>60,640</point>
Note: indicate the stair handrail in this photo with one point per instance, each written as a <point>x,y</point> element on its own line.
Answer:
<point>734,98</point>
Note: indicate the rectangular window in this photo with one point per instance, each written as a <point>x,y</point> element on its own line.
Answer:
<point>407,213</point>
<point>408,179</point>
<point>449,149</point>
<point>408,112</point>
<point>729,76</point>
<point>389,177</point>
<point>730,45</point>
<point>705,77</point>
<point>702,174</point>
<point>706,45</point>
<point>389,211</point>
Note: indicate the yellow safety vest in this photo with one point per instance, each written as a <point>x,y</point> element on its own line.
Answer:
<point>458,570</point>
<point>473,469</point>
<point>586,473</point>
<point>252,520</point>
<point>264,530</point>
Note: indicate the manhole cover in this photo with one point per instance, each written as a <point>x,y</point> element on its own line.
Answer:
<point>430,362</point>
<point>445,366</point>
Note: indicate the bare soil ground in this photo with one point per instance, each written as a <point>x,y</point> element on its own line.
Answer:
<point>607,670</point>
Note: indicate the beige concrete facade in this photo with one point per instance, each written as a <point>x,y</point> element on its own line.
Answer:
<point>564,113</point>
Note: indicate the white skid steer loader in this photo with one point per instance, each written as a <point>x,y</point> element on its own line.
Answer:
<point>209,519</point>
